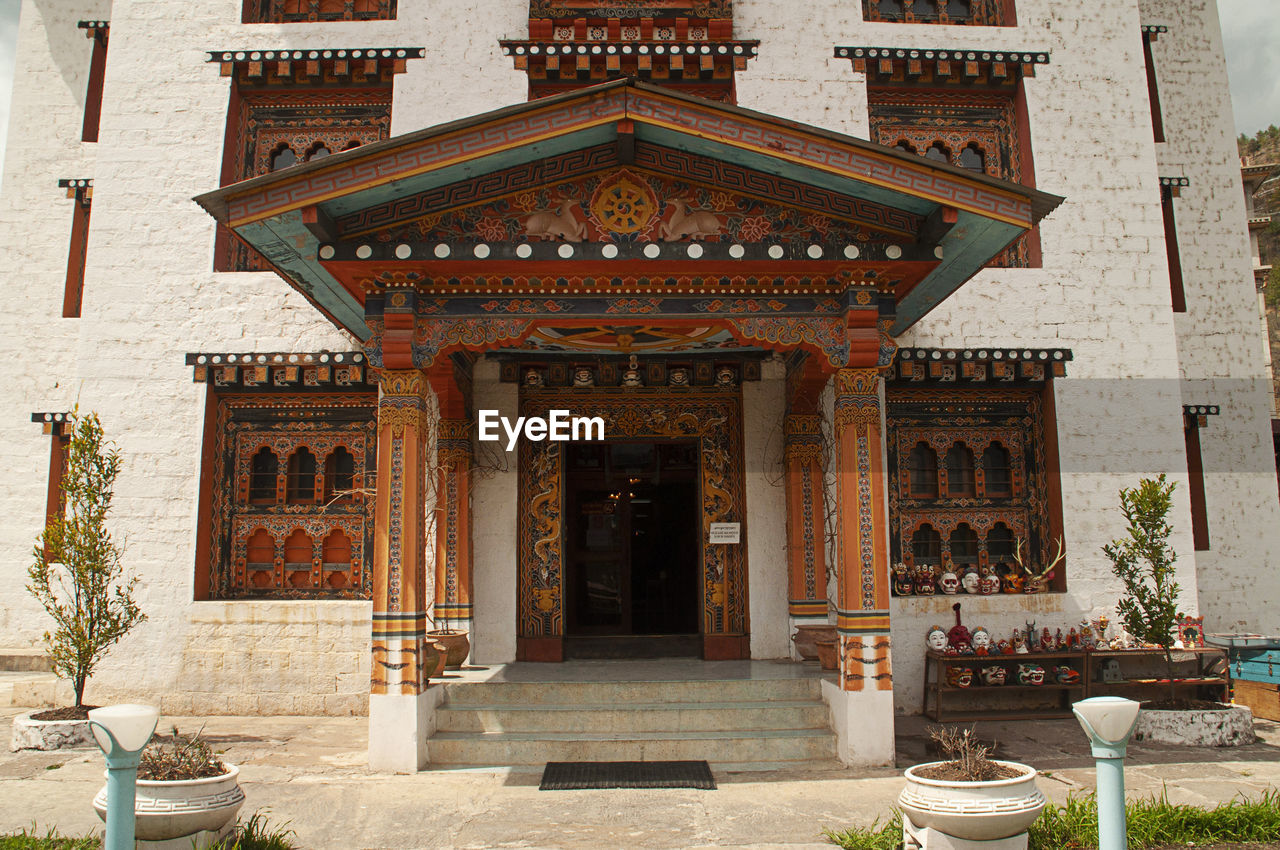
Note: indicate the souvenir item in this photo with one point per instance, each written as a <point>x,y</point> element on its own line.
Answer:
<point>981,641</point>
<point>936,639</point>
<point>1073,640</point>
<point>1003,647</point>
<point>959,677</point>
<point>1111,671</point>
<point>958,638</point>
<point>993,674</point>
<point>1191,631</point>
<point>1032,644</point>
<point>582,377</point>
<point>1100,626</point>
<point>1046,641</point>
<point>1012,581</point>
<point>969,581</point>
<point>902,584</point>
<point>1030,674</point>
<point>1067,675</point>
<point>949,584</point>
<point>925,585</point>
<point>1057,641</point>
<point>1086,635</point>
<point>988,581</point>
<point>1019,643</point>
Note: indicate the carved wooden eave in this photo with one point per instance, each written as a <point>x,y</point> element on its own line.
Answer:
<point>906,66</point>
<point>80,188</point>
<point>892,233</point>
<point>286,67</point>
<point>99,31</point>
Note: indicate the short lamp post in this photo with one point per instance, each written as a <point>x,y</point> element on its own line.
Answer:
<point>1109,722</point>
<point>121,732</point>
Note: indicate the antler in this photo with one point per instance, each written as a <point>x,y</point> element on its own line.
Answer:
<point>1057,559</point>
<point>1017,555</point>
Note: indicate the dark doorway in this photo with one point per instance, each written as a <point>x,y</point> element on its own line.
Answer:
<point>632,550</point>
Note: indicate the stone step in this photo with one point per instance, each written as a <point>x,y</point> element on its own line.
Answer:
<point>636,717</point>
<point>24,660</point>
<point>725,747</point>
<point>33,690</point>
<point>542,694</point>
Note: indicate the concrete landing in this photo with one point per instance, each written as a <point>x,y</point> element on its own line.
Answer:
<point>311,772</point>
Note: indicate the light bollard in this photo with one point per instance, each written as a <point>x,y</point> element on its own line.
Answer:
<point>1109,722</point>
<point>121,732</point>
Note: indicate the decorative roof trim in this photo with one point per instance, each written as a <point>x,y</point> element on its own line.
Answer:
<point>981,365</point>
<point>291,370</point>
<point>54,423</point>
<point>1179,182</point>
<point>576,59</point>
<point>1196,414</point>
<point>1151,32</point>
<point>884,61</point>
<point>99,30</point>
<point>80,188</point>
<point>314,63</point>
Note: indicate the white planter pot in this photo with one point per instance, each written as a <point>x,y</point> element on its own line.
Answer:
<point>31,734</point>
<point>1228,726</point>
<point>975,811</point>
<point>182,807</point>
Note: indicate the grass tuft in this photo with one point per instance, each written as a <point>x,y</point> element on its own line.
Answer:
<point>254,834</point>
<point>49,841</point>
<point>1151,822</point>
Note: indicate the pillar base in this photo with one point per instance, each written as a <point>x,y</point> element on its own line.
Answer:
<point>399,725</point>
<point>863,722</point>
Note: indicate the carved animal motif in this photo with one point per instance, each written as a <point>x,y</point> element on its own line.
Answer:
<point>548,224</point>
<point>696,224</point>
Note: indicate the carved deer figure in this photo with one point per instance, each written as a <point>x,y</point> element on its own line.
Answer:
<point>1037,582</point>
<point>695,224</point>
<point>548,224</point>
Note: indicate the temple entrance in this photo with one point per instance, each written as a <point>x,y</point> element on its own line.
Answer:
<point>632,550</point>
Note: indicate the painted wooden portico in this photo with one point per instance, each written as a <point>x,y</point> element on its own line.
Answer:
<point>619,207</point>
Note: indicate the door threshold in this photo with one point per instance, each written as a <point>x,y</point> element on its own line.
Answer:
<point>633,646</point>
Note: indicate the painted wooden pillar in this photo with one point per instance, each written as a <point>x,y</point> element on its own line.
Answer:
<point>397,708</point>
<point>806,531</point>
<point>862,603</point>
<point>453,607</point>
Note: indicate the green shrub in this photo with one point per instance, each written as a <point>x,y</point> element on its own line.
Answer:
<point>254,834</point>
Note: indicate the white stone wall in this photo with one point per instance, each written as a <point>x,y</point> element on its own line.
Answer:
<point>150,296</point>
<point>763,408</point>
<point>1222,351</point>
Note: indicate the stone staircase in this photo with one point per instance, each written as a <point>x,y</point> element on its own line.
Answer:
<point>734,724</point>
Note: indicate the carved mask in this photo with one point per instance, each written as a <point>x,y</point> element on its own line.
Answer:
<point>949,583</point>
<point>993,675</point>
<point>959,677</point>
<point>936,639</point>
<point>1030,674</point>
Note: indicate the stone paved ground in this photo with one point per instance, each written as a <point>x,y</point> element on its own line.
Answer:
<point>311,772</point>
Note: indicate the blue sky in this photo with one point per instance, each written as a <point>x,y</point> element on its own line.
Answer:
<point>1250,30</point>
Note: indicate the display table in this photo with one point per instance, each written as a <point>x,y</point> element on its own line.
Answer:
<point>1142,673</point>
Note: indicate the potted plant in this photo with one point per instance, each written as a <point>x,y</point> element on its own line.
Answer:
<point>968,795</point>
<point>78,577</point>
<point>1143,561</point>
<point>184,792</point>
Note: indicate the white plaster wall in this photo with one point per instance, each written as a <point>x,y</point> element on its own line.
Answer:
<point>493,532</point>
<point>763,407</point>
<point>1222,349</point>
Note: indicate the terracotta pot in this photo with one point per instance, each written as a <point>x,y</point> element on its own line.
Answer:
<point>827,653</point>
<point>434,655</point>
<point>180,808</point>
<point>456,644</point>
<point>974,811</point>
<point>806,635</point>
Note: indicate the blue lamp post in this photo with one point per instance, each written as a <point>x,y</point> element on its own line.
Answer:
<point>121,732</point>
<point>1109,722</point>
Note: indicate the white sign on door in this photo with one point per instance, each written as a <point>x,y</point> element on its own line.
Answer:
<point>726,532</point>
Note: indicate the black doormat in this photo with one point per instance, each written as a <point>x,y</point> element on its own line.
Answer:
<point>576,775</point>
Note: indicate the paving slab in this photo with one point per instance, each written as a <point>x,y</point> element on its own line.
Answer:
<point>312,772</point>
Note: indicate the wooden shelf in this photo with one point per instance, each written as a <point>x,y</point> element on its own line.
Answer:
<point>1085,662</point>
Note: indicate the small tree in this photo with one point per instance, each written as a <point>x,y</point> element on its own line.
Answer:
<point>1143,561</point>
<point>77,575</point>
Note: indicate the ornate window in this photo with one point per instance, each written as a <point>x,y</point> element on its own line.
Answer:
<point>284,475</point>
<point>991,13</point>
<point>994,487</point>
<point>286,113</point>
<point>979,130</point>
<point>297,11</point>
